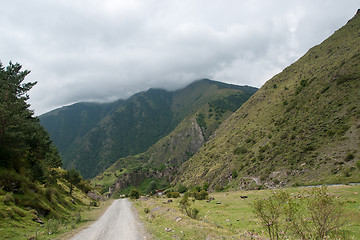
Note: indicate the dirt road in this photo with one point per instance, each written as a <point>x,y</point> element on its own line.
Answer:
<point>118,222</point>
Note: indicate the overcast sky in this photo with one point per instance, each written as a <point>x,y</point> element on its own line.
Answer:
<point>103,50</point>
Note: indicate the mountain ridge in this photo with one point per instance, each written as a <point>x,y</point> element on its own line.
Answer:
<point>133,125</point>
<point>302,126</point>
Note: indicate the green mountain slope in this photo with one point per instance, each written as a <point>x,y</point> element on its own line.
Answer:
<point>137,123</point>
<point>165,156</point>
<point>68,123</point>
<point>302,126</point>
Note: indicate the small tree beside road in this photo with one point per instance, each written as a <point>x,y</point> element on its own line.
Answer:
<point>314,215</point>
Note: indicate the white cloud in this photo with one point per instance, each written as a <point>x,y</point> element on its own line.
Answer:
<point>103,50</point>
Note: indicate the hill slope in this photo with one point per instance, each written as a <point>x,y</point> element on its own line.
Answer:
<point>133,125</point>
<point>302,126</point>
<point>33,188</point>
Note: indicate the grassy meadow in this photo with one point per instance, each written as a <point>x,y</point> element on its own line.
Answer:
<point>229,216</point>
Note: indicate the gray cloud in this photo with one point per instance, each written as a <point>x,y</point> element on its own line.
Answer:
<point>92,50</point>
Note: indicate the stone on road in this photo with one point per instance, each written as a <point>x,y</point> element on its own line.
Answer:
<point>118,222</point>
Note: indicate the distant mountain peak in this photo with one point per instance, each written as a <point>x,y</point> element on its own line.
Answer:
<point>93,136</point>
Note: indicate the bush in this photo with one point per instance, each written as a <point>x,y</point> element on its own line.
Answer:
<point>194,213</point>
<point>201,195</point>
<point>175,194</point>
<point>185,206</point>
<point>146,210</point>
<point>240,150</point>
<point>349,157</point>
<point>134,194</point>
<point>172,194</point>
<point>271,212</point>
<point>75,219</point>
<point>181,188</point>
<point>49,192</point>
<point>320,216</point>
<point>53,226</point>
<point>358,164</point>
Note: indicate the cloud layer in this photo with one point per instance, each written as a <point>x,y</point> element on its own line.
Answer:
<point>92,50</point>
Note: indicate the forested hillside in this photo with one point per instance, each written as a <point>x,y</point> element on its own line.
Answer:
<point>91,137</point>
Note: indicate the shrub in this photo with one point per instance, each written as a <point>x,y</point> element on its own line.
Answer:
<point>49,193</point>
<point>53,226</point>
<point>322,219</point>
<point>320,216</point>
<point>75,219</point>
<point>206,186</point>
<point>194,213</point>
<point>8,198</point>
<point>344,78</point>
<point>146,210</point>
<point>175,194</point>
<point>349,157</point>
<point>185,206</point>
<point>172,194</point>
<point>240,150</point>
<point>181,188</point>
<point>234,174</point>
<point>134,194</point>
<point>358,164</point>
<point>201,195</point>
<point>271,212</point>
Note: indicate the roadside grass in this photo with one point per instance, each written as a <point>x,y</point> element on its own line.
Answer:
<point>88,217</point>
<point>230,216</point>
<point>66,214</point>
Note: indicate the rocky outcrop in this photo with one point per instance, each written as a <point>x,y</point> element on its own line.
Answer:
<point>136,178</point>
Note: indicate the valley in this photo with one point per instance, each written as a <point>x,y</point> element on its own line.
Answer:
<point>210,160</point>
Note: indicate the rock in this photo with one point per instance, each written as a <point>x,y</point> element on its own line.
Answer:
<point>178,219</point>
<point>218,202</point>
<point>170,200</point>
<point>168,229</point>
<point>38,220</point>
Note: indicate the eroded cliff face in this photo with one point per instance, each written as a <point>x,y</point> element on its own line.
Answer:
<point>170,151</point>
<point>179,146</point>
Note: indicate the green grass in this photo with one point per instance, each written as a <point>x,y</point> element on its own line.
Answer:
<point>234,217</point>
<point>31,201</point>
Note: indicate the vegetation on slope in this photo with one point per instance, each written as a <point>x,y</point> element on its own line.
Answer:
<point>178,146</point>
<point>33,188</point>
<point>131,126</point>
<point>230,215</point>
<point>301,127</point>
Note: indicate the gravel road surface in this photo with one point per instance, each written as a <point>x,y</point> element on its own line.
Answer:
<point>118,222</point>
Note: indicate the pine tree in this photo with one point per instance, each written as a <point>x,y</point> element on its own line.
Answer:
<point>23,141</point>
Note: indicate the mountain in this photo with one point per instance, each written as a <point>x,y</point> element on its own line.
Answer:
<point>301,127</point>
<point>68,123</point>
<point>163,158</point>
<point>91,137</point>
